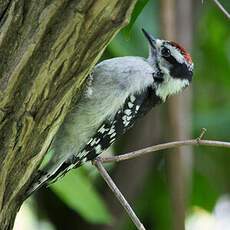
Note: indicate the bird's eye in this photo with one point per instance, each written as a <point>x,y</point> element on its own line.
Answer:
<point>165,52</point>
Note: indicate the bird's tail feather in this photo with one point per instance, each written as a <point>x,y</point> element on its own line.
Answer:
<point>47,177</point>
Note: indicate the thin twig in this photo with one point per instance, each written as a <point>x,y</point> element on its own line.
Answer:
<point>97,162</point>
<point>169,145</point>
<point>203,131</point>
<point>222,8</point>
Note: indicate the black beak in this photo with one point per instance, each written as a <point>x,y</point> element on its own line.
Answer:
<point>150,38</point>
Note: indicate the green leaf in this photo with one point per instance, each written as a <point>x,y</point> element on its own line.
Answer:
<point>77,192</point>
<point>204,193</point>
<point>136,12</point>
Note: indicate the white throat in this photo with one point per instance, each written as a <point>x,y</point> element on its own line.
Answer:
<point>170,86</point>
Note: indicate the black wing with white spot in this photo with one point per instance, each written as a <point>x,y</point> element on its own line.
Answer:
<point>135,106</point>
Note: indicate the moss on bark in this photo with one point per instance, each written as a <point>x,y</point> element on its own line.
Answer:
<point>47,48</point>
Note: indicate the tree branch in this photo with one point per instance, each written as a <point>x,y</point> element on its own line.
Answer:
<point>174,144</point>
<point>222,8</point>
<point>117,193</point>
<point>99,160</point>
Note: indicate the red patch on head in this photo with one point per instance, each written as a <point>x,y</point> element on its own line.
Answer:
<point>183,52</point>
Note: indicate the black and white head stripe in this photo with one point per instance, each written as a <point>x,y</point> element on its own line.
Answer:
<point>183,51</point>
<point>172,49</point>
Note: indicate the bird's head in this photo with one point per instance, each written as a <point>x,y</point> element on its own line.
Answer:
<point>173,64</point>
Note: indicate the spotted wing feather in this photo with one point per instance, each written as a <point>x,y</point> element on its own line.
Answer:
<point>134,107</point>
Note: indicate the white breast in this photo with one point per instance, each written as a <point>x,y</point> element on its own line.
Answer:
<point>170,86</point>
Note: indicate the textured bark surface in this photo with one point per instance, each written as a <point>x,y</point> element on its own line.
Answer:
<point>47,48</point>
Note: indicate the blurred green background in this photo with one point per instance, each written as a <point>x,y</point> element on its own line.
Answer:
<point>81,200</point>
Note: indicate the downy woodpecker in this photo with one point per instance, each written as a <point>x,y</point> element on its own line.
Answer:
<point>117,93</point>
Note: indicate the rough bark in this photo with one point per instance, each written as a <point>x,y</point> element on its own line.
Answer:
<point>46,50</point>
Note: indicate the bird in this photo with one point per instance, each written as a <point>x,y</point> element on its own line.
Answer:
<point>117,92</point>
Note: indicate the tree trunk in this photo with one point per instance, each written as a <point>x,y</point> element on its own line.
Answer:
<point>47,48</point>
